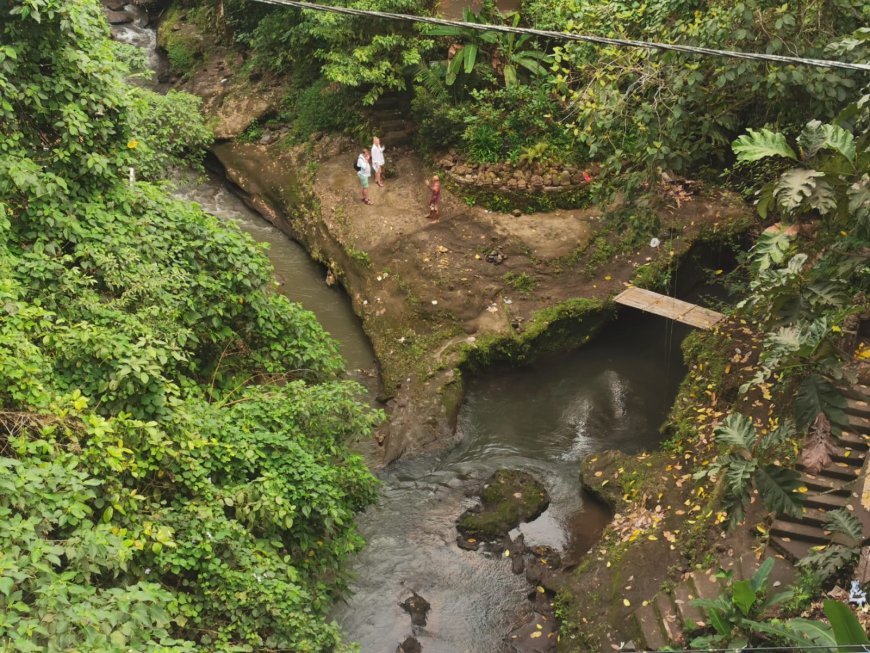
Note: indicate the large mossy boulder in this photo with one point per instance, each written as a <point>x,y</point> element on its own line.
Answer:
<point>509,497</point>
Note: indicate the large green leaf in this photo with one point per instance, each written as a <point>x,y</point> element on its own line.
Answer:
<point>759,578</point>
<point>796,186</point>
<point>771,249</point>
<point>797,632</point>
<point>812,138</point>
<point>757,145</point>
<point>859,206</point>
<point>470,51</point>
<point>510,75</point>
<point>847,629</point>
<point>736,430</point>
<point>818,395</point>
<point>743,596</point>
<point>840,140</point>
<point>843,522</point>
<point>778,489</point>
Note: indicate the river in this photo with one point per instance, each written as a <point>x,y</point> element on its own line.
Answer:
<point>543,418</point>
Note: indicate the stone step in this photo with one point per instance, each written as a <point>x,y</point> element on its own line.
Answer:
<point>792,550</point>
<point>692,616</point>
<point>648,624</point>
<point>781,576</point>
<point>799,531</point>
<point>670,621</point>
<point>824,501</point>
<point>706,584</point>
<point>821,483</point>
<point>392,124</point>
<point>397,138</point>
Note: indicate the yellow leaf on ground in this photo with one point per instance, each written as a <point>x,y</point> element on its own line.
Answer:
<point>535,634</point>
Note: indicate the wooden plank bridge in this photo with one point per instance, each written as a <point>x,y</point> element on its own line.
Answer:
<point>669,307</point>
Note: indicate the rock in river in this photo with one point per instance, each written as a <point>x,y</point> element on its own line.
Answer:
<point>418,607</point>
<point>508,498</point>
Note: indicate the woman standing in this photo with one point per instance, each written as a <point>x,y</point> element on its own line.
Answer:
<point>378,160</point>
<point>363,172</point>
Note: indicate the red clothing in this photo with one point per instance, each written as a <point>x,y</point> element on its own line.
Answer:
<point>436,194</point>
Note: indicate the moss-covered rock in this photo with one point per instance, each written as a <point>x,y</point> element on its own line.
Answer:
<point>509,498</point>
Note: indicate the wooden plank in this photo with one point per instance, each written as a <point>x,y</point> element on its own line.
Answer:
<point>668,307</point>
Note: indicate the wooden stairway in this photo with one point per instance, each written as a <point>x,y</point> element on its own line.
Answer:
<point>837,486</point>
<point>845,483</point>
<point>665,620</point>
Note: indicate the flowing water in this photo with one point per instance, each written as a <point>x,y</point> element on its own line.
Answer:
<point>544,419</point>
<point>299,277</point>
<point>612,394</point>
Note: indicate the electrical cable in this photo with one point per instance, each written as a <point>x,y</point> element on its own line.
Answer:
<point>566,36</point>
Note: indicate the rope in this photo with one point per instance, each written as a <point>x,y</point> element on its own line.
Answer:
<point>587,38</point>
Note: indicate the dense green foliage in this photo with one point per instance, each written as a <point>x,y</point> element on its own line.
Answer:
<point>173,463</point>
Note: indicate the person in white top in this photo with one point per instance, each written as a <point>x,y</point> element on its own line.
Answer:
<point>363,172</point>
<point>378,160</point>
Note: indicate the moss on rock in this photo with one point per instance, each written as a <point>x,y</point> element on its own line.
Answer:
<point>509,498</point>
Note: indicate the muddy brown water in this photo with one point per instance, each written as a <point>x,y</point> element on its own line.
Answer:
<point>544,419</point>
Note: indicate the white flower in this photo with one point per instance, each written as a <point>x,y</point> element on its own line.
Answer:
<point>655,242</point>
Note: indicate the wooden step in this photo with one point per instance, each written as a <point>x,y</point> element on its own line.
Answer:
<point>799,531</point>
<point>647,620</point>
<point>820,483</point>
<point>814,516</point>
<point>847,454</point>
<point>853,440</point>
<point>793,550</point>
<point>837,471</point>
<point>692,616</point>
<point>814,500</point>
<point>859,424</point>
<point>859,407</point>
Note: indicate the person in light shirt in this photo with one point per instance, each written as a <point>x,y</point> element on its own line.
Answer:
<point>363,172</point>
<point>378,160</point>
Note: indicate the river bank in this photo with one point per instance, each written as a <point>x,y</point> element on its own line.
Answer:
<point>441,301</point>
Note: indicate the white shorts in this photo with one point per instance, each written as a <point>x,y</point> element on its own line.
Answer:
<point>377,166</point>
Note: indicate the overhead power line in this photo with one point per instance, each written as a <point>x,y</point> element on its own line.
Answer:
<point>567,36</point>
